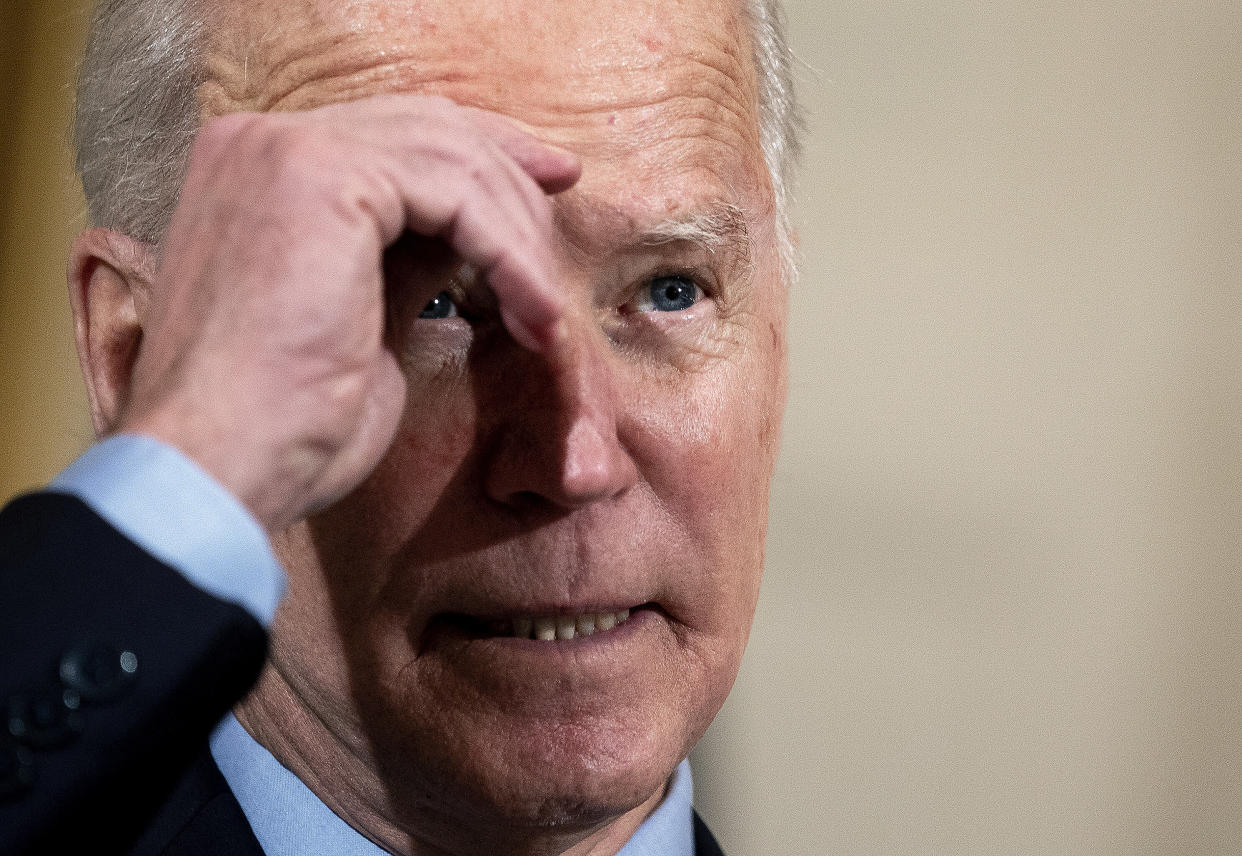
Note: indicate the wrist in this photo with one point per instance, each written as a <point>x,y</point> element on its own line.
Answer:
<point>254,476</point>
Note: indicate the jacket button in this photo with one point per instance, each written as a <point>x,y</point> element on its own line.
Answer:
<point>44,718</point>
<point>16,770</point>
<point>98,672</point>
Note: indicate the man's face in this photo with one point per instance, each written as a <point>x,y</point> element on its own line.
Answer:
<point>637,480</point>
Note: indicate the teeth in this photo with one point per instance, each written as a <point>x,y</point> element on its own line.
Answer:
<point>562,627</point>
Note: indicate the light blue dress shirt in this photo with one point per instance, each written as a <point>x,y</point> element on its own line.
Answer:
<point>289,820</point>
<point>165,503</point>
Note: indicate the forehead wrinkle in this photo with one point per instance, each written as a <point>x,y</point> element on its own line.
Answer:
<point>248,83</point>
<point>313,59</point>
<point>296,83</point>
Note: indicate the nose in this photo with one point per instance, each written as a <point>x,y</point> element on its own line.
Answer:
<point>556,437</point>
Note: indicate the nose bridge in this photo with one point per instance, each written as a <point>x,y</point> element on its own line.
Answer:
<point>557,417</point>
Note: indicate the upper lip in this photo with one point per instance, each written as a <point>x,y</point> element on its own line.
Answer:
<point>508,614</point>
<point>476,590</point>
<point>480,598</point>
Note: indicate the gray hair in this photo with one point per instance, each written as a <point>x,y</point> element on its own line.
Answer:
<point>137,112</point>
<point>780,120</point>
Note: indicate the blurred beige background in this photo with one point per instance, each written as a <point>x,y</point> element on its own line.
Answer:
<point>1003,598</point>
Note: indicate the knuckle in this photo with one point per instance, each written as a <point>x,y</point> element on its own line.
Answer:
<point>218,135</point>
<point>439,106</point>
<point>298,158</point>
<point>268,154</point>
<point>484,164</point>
<point>287,149</point>
<point>478,167</point>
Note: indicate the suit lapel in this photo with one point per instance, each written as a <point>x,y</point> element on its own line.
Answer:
<point>201,817</point>
<point>705,843</point>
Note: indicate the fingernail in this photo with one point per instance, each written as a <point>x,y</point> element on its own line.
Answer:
<point>521,333</point>
<point>557,333</point>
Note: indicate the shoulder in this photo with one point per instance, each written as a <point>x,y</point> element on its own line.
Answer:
<point>115,669</point>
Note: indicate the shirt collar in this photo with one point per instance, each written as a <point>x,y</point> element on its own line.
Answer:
<point>289,820</point>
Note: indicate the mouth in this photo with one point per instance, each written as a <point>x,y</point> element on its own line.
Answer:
<point>543,628</point>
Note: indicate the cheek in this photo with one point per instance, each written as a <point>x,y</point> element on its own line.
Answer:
<point>341,562</point>
<point>359,537</point>
<point>430,448</point>
<point>707,447</point>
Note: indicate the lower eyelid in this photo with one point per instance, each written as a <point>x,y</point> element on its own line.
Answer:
<point>669,322</point>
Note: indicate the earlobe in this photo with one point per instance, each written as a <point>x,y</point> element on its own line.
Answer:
<point>109,284</point>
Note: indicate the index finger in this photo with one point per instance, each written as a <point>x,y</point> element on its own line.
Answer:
<point>553,168</point>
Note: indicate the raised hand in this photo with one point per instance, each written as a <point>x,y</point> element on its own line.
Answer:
<point>262,336</point>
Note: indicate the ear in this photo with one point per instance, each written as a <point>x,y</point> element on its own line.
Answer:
<point>110,279</point>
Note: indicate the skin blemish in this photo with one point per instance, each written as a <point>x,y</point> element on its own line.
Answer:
<point>612,119</point>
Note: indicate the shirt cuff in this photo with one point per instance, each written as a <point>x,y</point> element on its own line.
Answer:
<point>169,506</point>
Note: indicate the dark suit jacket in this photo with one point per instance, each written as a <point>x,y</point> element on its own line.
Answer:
<point>113,671</point>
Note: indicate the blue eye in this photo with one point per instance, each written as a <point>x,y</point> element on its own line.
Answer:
<point>440,306</point>
<point>670,294</point>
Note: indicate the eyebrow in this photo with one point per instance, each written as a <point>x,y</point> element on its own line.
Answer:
<point>720,224</point>
<point>711,225</point>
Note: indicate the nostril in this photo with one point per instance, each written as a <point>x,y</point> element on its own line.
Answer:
<point>572,475</point>
<point>525,499</point>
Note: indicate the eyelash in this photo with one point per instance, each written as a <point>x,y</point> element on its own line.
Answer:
<point>464,306</point>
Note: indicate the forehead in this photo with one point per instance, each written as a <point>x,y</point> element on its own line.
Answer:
<point>635,86</point>
<point>608,47</point>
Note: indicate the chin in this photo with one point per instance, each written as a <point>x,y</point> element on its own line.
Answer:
<point>566,774</point>
<point>506,733</point>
